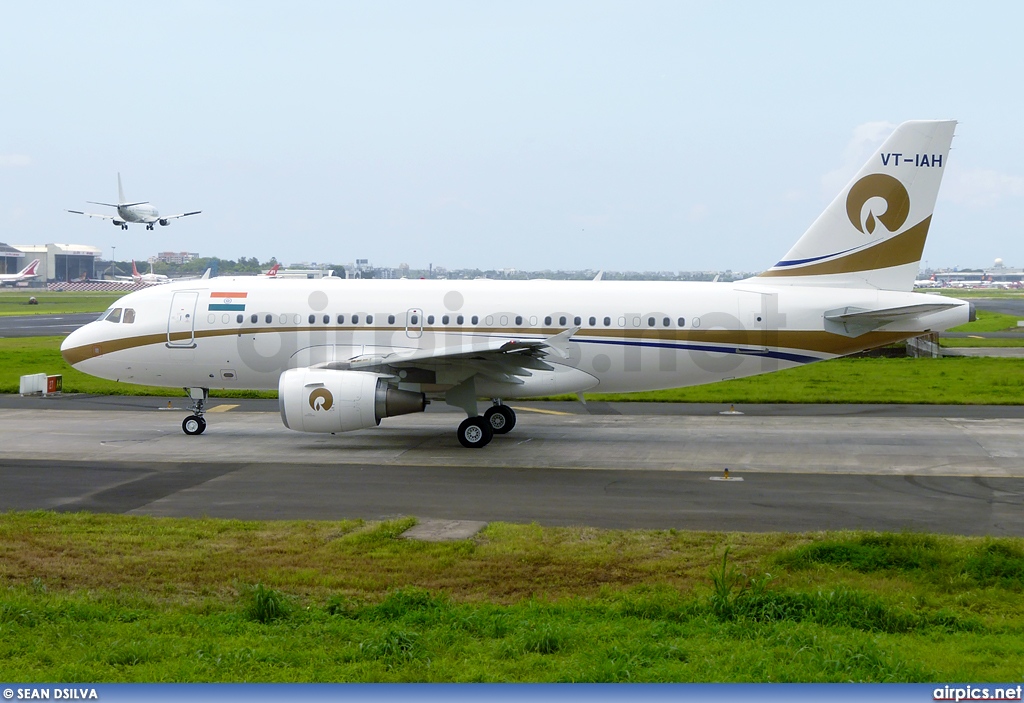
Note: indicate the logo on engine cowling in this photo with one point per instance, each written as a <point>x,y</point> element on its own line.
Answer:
<point>321,399</point>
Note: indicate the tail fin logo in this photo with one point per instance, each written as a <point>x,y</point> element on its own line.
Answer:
<point>321,399</point>
<point>889,189</point>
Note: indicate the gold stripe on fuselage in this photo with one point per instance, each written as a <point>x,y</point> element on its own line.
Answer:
<point>811,341</point>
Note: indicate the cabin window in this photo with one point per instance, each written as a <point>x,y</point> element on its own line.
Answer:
<point>254,318</point>
<point>636,321</point>
<point>270,318</point>
<point>592,321</point>
<point>327,319</point>
<point>607,322</point>
<point>519,319</point>
<point>284,319</point>
<point>547,321</point>
<point>355,319</point>
<point>312,319</point>
<point>296,318</point>
<point>577,321</point>
<point>239,318</point>
<point>225,318</point>
<point>391,319</point>
<point>430,319</point>
<point>459,320</point>
<point>504,320</point>
<point>666,322</point>
<point>650,322</point>
<point>561,320</point>
<point>211,318</point>
<point>489,319</point>
<point>114,315</point>
<point>369,319</point>
<point>682,322</point>
<point>129,316</point>
<point>341,319</point>
<point>444,319</point>
<point>474,319</point>
<point>415,320</point>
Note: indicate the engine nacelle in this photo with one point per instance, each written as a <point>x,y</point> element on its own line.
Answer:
<point>117,223</point>
<point>164,223</point>
<point>324,400</point>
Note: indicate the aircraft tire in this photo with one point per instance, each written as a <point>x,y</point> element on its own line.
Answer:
<point>193,425</point>
<point>475,432</point>
<point>501,418</point>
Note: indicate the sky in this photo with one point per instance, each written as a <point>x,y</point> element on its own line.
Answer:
<point>659,136</point>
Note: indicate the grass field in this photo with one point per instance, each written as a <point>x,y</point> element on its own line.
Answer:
<point>930,381</point>
<point>116,598</point>
<point>16,302</point>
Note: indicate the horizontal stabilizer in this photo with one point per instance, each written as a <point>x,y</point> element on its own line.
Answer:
<point>853,321</point>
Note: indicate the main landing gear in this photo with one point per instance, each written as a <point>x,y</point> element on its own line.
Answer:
<point>196,423</point>
<point>477,431</point>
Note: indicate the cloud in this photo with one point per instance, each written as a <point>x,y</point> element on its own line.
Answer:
<point>697,213</point>
<point>14,160</point>
<point>865,140</point>
<point>982,188</point>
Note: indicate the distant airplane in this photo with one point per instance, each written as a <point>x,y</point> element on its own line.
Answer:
<point>150,277</point>
<point>9,279</point>
<point>139,212</point>
<point>272,273</point>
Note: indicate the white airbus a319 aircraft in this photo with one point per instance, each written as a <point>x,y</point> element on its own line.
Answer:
<point>141,212</point>
<point>343,354</point>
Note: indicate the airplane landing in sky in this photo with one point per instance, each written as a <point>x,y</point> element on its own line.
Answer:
<point>141,212</point>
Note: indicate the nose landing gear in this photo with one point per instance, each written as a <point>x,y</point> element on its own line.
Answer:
<point>196,423</point>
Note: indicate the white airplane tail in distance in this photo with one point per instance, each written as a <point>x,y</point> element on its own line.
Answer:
<point>26,274</point>
<point>141,212</point>
<point>345,353</point>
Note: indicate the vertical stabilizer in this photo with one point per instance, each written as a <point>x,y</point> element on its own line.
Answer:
<point>872,235</point>
<point>120,191</point>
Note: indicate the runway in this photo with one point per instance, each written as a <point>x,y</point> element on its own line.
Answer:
<point>842,467</point>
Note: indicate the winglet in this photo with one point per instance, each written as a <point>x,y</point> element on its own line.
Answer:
<point>559,344</point>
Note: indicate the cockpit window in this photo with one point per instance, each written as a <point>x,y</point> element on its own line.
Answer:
<point>129,316</point>
<point>114,315</point>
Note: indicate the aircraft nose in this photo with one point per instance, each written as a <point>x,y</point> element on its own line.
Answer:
<point>71,349</point>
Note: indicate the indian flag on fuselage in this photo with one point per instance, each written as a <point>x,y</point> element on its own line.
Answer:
<point>227,301</point>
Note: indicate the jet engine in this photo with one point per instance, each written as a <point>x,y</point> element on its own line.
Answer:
<point>164,223</point>
<point>325,400</point>
<point>118,223</point>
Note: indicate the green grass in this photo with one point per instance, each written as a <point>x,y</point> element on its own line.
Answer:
<point>967,293</point>
<point>951,380</point>
<point>989,322</point>
<point>929,381</point>
<point>977,342</point>
<point>22,356</point>
<point>16,302</point>
<point>118,598</point>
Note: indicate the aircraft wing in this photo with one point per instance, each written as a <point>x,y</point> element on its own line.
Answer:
<point>498,359</point>
<point>174,217</point>
<point>91,214</point>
